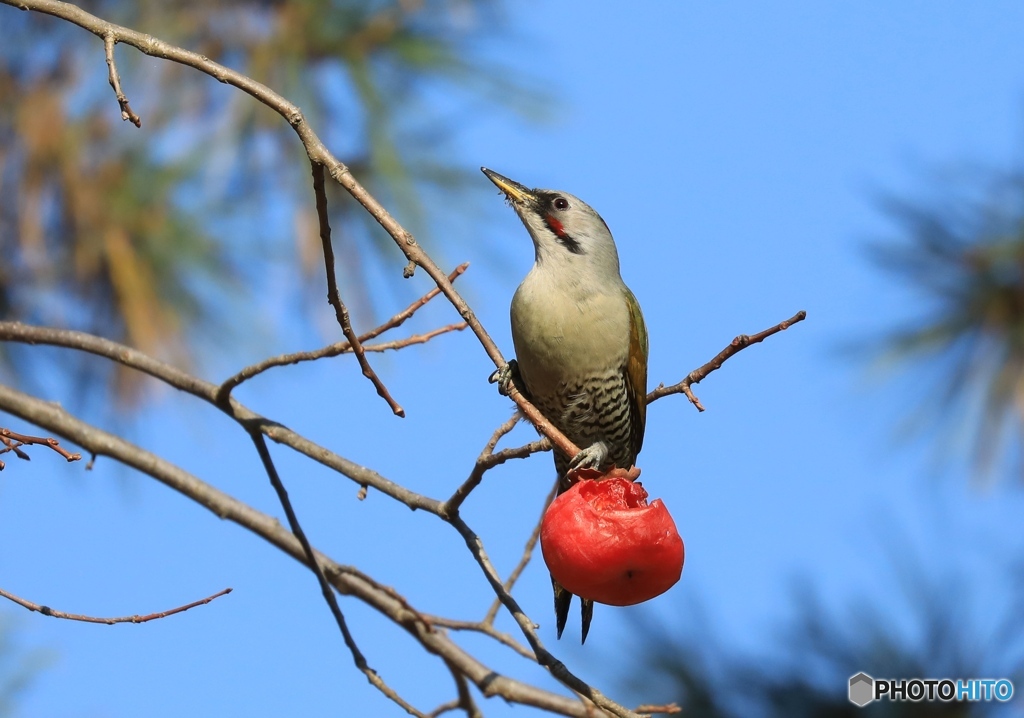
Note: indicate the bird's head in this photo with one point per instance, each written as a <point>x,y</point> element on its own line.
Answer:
<point>566,231</point>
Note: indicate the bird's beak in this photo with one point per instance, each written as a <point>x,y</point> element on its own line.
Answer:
<point>514,192</point>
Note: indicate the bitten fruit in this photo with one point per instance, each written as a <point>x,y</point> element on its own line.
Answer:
<point>602,541</point>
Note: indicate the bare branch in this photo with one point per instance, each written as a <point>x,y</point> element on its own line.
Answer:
<point>16,331</point>
<point>115,82</point>
<point>13,441</point>
<point>464,701</point>
<point>320,157</point>
<point>735,346</point>
<point>174,377</point>
<point>334,296</point>
<point>412,612</point>
<point>346,580</point>
<point>518,452</point>
<point>486,629</point>
<point>488,459</point>
<point>544,658</point>
<point>415,338</point>
<point>331,350</point>
<point>666,708</point>
<point>311,560</point>
<point>10,445</point>
<point>524,560</point>
<point>398,319</point>
<point>342,347</point>
<point>451,506</point>
<point>47,611</point>
<point>451,705</point>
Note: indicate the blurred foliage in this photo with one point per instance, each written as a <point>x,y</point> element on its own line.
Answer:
<point>18,666</point>
<point>947,625</point>
<point>964,251</point>
<point>158,237</point>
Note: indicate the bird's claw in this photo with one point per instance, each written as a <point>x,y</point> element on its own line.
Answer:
<point>507,377</point>
<point>592,457</point>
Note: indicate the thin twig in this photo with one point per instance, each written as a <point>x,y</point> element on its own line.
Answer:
<point>524,560</point>
<point>736,345</point>
<point>518,452</point>
<point>488,459</point>
<point>332,601</point>
<point>664,708</point>
<point>451,705</point>
<point>529,630</point>
<point>414,613</point>
<point>334,296</point>
<point>464,701</point>
<point>12,446</point>
<point>115,82</point>
<point>47,611</point>
<point>451,506</point>
<point>342,347</point>
<point>486,629</point>
<point>331,350</point>
<point>13,441</point>
<point>415,338</point>
<point>398,319</point>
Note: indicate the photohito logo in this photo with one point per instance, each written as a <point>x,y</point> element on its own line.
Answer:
<point>864,689</point>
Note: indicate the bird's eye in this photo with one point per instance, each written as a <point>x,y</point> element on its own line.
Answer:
<point>561,203</point>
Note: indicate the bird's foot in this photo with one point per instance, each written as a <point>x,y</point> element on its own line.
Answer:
<point>506,377</point>
<point>594,456</point>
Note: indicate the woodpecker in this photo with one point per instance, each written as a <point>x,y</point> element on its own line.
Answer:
<point>580,341</point>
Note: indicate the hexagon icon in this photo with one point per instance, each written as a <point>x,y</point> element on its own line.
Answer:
<point>862,689</point>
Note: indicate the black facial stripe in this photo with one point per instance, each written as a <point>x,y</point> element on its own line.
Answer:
<point>571,244</point>
<point>564,239</point>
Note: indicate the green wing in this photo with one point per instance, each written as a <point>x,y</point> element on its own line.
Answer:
<point>636,370</point>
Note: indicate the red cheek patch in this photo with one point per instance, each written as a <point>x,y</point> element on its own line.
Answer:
<point>555,225</point>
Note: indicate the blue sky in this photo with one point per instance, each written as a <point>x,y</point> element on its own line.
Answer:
<point>736,151</point>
